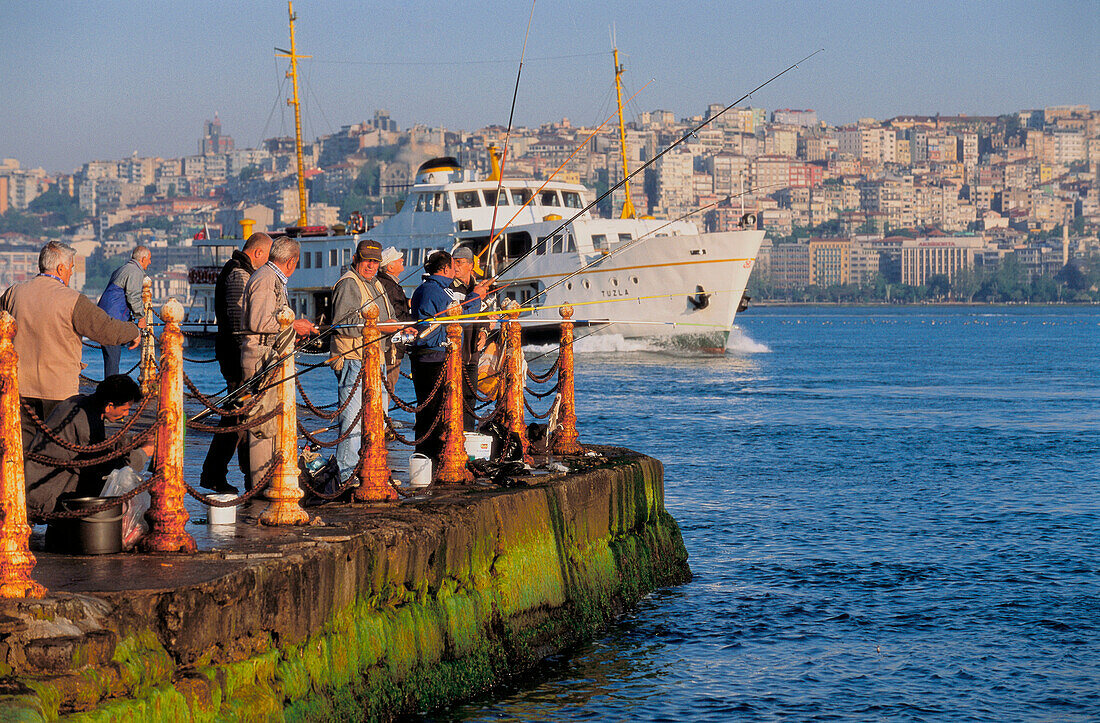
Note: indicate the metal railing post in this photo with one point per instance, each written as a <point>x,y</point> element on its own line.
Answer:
<point>16,560</point>
<point>515,420</point>
<point>453,458</point>
<point>285,491</point>
<point>374,469</point>
<point>166,515</point>
<point>565,435</point>
<point>148,363</point>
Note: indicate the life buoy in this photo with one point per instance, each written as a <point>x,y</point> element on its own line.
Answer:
<point>748,220</point>
<point>356,223</point>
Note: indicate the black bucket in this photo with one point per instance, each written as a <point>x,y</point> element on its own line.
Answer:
<point>100,533</point>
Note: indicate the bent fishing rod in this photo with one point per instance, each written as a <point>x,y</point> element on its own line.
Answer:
<point>492,237</point>
<point>644,237</point>
<point>691,133</point>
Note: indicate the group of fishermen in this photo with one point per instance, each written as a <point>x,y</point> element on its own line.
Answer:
<point>251,289</point>
<point>52,319</point>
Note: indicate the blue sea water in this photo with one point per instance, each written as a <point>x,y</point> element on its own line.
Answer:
<point>891,513</point>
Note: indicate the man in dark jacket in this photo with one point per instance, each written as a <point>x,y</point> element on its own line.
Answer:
<point>79,420</point>
<point>431,299</point>
<point>122,300</point>
<point>389,275</point>
<point>228,295</point>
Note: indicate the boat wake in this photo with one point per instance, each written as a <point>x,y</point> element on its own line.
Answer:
<point>742,343</point>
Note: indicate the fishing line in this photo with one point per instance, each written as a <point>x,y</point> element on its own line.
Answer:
<point>653,160</point>
<point>511,114</point>
<point>648,235</point>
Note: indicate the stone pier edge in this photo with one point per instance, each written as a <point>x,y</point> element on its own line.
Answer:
<point>417,612</point>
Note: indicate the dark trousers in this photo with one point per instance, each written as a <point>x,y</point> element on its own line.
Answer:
<point>112,355</point>
<point>42,409</point>
<point>225,444</point>
<point>469,396</point>
<point>425,374</point>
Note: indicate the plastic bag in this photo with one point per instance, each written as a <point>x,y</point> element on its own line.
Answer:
<point>119,482</point>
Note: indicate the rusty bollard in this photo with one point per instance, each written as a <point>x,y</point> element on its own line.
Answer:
<point>452,468</point>
<point>515,419</point>
<point>16,560</point>
<point>565,435</point>
<point>148,363</point>
<point>167,515</point>
<point>284,491</point>
<point>374,470</point>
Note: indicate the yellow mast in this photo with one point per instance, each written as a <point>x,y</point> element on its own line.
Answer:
<point>628,205</point>
<point>293,75</point>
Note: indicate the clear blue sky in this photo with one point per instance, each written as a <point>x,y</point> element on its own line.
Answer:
<point>99,80</point>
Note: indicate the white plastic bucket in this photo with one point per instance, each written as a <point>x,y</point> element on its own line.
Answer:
<point>420,470</point>
<point>478,446</point>
<point>222,515</point>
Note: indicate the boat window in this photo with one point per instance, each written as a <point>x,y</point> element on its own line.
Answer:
<point>555,245</point>
<point>572,199</point>
<point>570,244</point>
<point>517,244</point>
<point>540,248</point>
<point>599,241</point>
<point>305,262</point>
<point>520,196</point>
<point>467,199</point>
<point>318,262</point>
<point>549,198</point>
<point>624,237</point>
<point>423,202</point>
<point>440,202</point>
<point>332,257</point>
<point>491,194</point>
<point>347,256</point>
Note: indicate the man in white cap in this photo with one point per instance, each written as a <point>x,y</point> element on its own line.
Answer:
<point>389,275</point>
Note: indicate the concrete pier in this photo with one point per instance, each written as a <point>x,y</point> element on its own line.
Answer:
<point>369,612</point>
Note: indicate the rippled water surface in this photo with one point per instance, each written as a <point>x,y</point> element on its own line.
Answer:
<point>890,514</point>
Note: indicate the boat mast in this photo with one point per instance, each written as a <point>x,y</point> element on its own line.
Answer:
<point>628,205</point>
<point>293,75</point>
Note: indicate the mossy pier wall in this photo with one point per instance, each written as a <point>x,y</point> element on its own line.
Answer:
<point>385,609</point>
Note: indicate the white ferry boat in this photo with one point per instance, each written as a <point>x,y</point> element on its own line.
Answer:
<point>668,279</point>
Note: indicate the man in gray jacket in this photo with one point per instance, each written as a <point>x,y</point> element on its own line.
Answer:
<point>264,297</point>
<point>122,300</point>
<point>50,320</point>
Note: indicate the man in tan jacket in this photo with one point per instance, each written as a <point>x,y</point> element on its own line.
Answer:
<point>353,292</point>
<point>264,297</point>
<point>50,320</point>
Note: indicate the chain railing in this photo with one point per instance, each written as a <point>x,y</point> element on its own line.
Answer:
<point>274,408</point>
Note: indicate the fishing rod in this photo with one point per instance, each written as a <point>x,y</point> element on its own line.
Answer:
<point>511,114</point>
<point>647,235</point>
<point>576,150</point>
<point>691,133</point>
<point>498,314</point>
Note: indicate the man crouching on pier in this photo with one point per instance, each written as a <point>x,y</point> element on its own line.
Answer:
<point>79,420</point>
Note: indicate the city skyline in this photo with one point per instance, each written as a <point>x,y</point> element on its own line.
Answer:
<point>95,81</point>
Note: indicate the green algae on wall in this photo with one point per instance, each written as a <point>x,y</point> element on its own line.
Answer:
<point>475,592</point>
